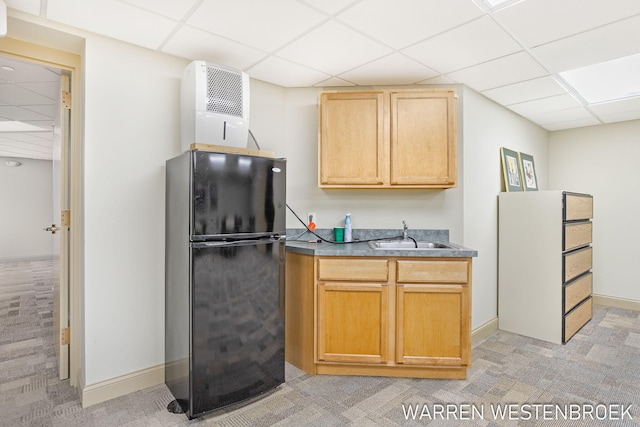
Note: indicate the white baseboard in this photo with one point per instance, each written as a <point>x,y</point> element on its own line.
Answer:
<point>483,331</point>
<point>120,386</point>
<point>629,304</point>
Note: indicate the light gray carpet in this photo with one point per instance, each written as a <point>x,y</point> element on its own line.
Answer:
<point>599,366</point>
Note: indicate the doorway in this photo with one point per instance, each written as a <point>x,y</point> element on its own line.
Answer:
<point>67,224</point>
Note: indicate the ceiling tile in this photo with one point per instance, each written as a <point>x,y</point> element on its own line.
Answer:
<point>16,95</point>
<point>172,9</point>
<point>473,43</point>
<point>285,73</point>
<point>330,7</point>
<point>617,107</point>
<point>571,114</point>
<point>535,22</point>
<point>192,43</point>
<point>439,80</point>
<point>602,44</point>
<point>400,23</point>
<point>26,72</point>
<point>334,81</point>
<point>621,117</point>
<point>113,18</point>
<point>395,69</point>
<point>31,139</point>
<point>20,114</point>
<point>46,89</point>
<point>544,105</point>
<point>570,124</point>
<point>266,25</point>
<point>333,48</point>
<point>20,149</point>
<point>499,72</point>
<point>48,110</point>
<point>541,87</point>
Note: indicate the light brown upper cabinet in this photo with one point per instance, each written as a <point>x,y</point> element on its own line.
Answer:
<point>387,139</point>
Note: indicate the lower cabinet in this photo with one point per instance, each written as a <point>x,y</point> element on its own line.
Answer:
<point>407,317</point>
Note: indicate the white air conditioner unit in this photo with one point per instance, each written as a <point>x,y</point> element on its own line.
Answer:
<point>214,106</point>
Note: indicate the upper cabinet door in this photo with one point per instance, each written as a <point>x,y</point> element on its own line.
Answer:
<point>423,138</point>
<point>352,138</point>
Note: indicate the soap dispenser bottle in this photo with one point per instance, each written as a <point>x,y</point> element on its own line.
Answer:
<point>347,228</point>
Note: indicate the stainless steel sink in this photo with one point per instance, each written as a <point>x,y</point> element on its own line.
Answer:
<point>409,245</point>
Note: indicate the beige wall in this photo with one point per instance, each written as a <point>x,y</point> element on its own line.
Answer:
<point>603,161</point>
<point>131,129</point>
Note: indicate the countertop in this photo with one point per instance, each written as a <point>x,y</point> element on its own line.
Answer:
<point>307,243</point>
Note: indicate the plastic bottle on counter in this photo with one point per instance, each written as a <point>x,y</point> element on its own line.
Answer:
<point>347,228</point>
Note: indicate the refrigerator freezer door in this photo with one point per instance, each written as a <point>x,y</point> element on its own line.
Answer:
<point>237,348</point>
<point>237,195</point>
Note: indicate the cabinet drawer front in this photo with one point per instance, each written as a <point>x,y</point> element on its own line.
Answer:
<point>353,269</point>
<point>577,319</point>
<point>577,206</point>
<point>576,235</point>
<point>577,291</point>
<point>442,271</point>
<point>577,262</point>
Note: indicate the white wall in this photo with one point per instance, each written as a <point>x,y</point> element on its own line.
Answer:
<point>487,127</point>
<point>603,161</point>
<point>26,200</point>
<point>131,129</point>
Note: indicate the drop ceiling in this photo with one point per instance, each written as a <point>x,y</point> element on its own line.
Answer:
<point>512,53</point>
<point>28,96</point>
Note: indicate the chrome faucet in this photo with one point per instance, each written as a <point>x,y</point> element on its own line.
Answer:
<point>404,230</point>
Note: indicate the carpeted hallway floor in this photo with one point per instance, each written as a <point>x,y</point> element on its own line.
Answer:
<point>514,380</point>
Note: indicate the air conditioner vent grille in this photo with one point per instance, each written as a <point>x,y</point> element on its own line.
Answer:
<point>224,91</point>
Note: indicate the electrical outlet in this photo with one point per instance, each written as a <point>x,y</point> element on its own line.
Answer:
<point>311,217</point>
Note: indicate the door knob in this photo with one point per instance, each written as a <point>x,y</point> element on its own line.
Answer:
<point>52,229</point>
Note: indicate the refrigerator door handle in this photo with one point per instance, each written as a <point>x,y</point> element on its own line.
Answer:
<point>228,243</point>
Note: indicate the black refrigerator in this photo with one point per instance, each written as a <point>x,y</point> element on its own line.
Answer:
<point>224,279</point>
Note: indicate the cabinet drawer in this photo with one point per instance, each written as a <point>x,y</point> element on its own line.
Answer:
<point>577,206</point>
<point>577,291</point>
<point>357,269</point>
<point>577,262</point>
<point>577,319</point>
<point>576,235</point>
<point>442,271</point>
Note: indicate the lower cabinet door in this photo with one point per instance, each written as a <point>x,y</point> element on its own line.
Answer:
<point>352,322</point>
<point>433,325</point>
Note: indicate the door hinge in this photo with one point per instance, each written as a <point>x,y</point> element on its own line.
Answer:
<point>66,100</point>
<point>65,217</point>
<point>65,336</point>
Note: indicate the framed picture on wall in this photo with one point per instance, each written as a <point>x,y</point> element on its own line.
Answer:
<point>528,172</point>
<point>510,170</point>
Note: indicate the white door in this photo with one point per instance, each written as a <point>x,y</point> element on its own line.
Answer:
<point>60,228</point>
